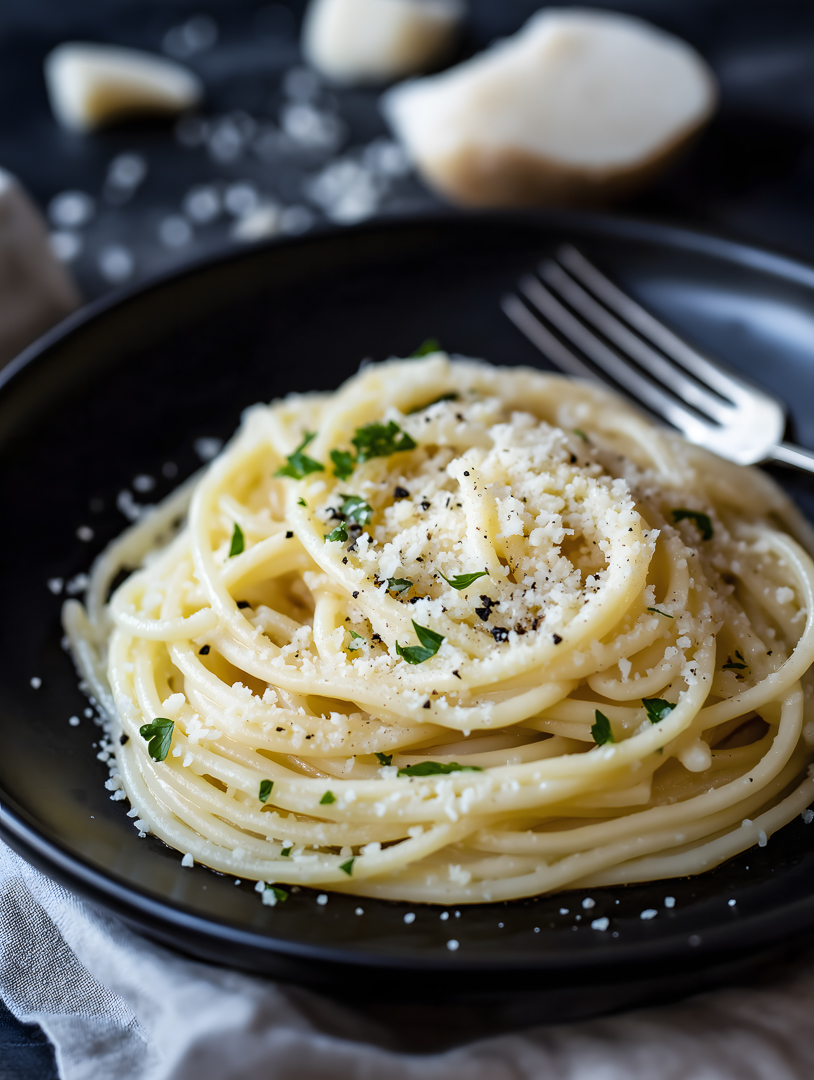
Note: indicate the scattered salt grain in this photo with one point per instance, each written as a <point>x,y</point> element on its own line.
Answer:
<point>360,911</point>
<point>202,204</point>
<point>600,924</point>
<point>55,585</point>
<point>648,913</point>
<point>588,903</point>
<point>732,902</point>
<point>207,447</point>
<point>187,860</point>
<point>174,231</point>
<point>409,917</point>
<point>669,901</point>
<point>564,911</point>
<point>74,721</point>
<point>36,682</point>
<point>143,483</point>
<point>116,263</point>
<point>807,816</point>
<point>322,899</point>
<point>452,944</point>
<point>762,839</point>
<point>85,533</point>
<point>71,209</point>
<point>444,916</point>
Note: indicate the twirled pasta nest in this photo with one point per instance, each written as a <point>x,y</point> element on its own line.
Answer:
<point>457,633</point>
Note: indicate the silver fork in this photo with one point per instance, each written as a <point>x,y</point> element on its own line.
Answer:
<point>708,404</point>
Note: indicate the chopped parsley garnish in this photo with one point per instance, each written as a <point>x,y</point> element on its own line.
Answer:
<point>657,708</point>
<point>430,644</point>
<point>658,611</point>
<point>354,508</point>
<point>602,730</point>
<point>339,533</point>
<point>280,895</point>
<point>238,544</point>
<point>343,463</point>
<point>463,581</point>
<point>381,440</point>
<point>426,348</point>
<point>299,464</point>
<point>286,851</point>
<point>159,735</point>
<point>347,867</point>
<point>435,401</point>
<point>384,759</point>
<point>265,790</point>
<point>356,641</point>
<point>702,521</point>
<point>399,584</point>
<point>437,768</point>
<point>581,433</point>
<point>327,799</point>
<point>301,501</point>
<point>731,665</point>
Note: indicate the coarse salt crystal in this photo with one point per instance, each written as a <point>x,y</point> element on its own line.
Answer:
<point>36,682</point>
<point>452,944</point>
<point>187,860</point>
<point>669,901</point>
<point>322,899</point>
<point>648,913</point>
<point>409,917</point>
<point>588,903</point>
<point>600,924</point>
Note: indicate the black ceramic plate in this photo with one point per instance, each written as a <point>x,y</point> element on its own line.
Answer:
<point>129,387</point>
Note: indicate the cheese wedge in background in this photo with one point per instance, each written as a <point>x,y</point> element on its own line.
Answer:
<point>579,107</point>
<point>90,85</point>
<point>378,40</point>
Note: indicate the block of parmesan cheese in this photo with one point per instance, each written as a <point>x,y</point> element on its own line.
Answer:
<point>93,85</point>
<point>579,107</point>
<point>378,40</point>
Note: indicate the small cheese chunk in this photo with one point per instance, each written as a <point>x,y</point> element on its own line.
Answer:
<point>377,40</point>
<point>93,85</point>
<point>579,107</point>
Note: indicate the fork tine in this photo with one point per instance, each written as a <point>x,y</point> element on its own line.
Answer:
<point>539,335</point>
<point>656,366</point>
<point>724,383</point>
<point>609,361</point>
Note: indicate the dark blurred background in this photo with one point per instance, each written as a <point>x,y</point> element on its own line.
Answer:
<point>274,151</point>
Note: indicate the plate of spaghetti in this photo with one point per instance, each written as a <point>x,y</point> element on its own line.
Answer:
<point>396,664</point>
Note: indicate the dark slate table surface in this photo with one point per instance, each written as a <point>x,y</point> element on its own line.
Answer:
<point>135,201</point>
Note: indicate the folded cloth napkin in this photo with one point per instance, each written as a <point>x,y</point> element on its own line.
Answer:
<point>115,1005</point>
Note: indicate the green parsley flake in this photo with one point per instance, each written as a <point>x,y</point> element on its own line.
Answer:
<point>339,533</point>
<point>381,440</point>
<point>430,644</point>
<point>436,768</point>
<point>463,581</point>
<point>265,790</point>
<point>731,665</point>
<point>299,464</point>
<point>357,641</point>
<point>327,799</point>
<point>399,584</point>
<point>354,508</point>
<point>581,433</point>
<point>657,708</point>
<point>435,401</point>
<point>159,733</point>
<point>286,851</point>
<point>280,895</point>
<point>344,463</point>
<point>426,348</point>
<point>238,545</point>
<point>301,501</point>
<point>702,521</point>
<point>347,867</point>
<point>384,759</point>
<point>602,730</point>
<point>658,611</point>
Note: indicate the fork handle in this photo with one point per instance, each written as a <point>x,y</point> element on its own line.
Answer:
<point>794,456</point>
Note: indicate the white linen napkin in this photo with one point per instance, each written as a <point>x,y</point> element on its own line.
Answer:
<point>116,1005</point>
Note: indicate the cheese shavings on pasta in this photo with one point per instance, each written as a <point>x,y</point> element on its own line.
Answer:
<point>457,633</point>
